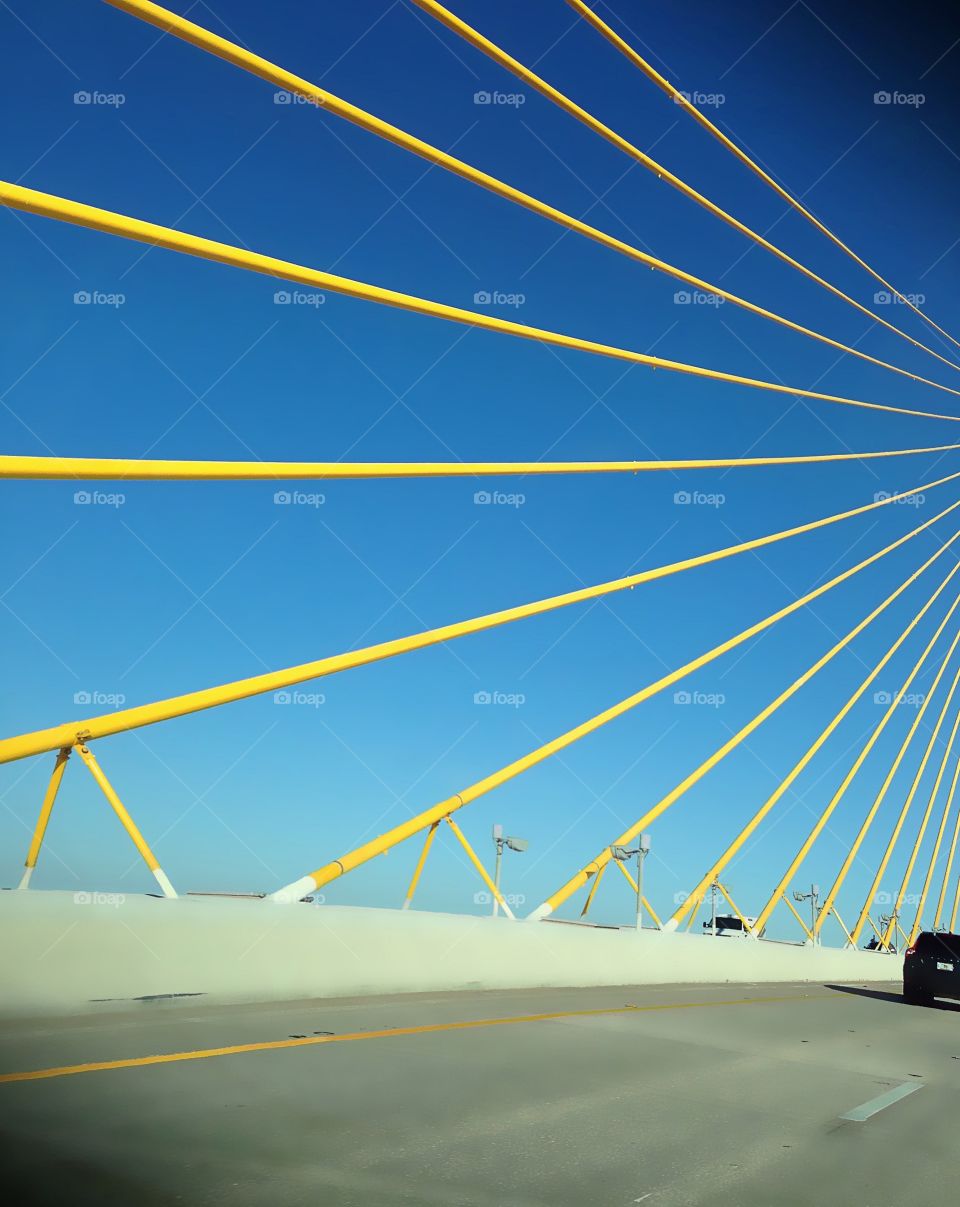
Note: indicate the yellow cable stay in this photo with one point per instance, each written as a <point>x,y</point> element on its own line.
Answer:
<point>681,99</point>
<point>49,206</point>
<point>63,736</point>
<point>204,39</point>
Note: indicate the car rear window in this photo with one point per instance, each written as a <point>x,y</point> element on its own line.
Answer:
<point>931,944</point>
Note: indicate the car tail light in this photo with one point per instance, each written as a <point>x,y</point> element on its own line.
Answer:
<point>911,951</point>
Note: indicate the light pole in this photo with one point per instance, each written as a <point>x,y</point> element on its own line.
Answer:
<point>814,898</point>
<point>641,850</point>
<point>501,841</point>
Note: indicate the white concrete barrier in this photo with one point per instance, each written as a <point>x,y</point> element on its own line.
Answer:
<point>66,952</point>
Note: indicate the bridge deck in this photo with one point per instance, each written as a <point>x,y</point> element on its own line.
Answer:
<point>722,1095</point>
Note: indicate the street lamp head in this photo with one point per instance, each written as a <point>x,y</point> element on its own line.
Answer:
<point>517,844</point>
<point>497,832</point>
<point>621,854</point>
<point>645,841</point>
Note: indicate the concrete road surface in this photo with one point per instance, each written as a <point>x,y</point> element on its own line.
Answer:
<point>733,1096</point>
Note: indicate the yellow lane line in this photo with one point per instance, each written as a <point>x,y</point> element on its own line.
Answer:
<point>136,1062</point>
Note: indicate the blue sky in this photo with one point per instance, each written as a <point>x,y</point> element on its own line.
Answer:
<point>180,586</point>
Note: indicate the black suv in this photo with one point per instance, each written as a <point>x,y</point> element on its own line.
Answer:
<point>931,968</point>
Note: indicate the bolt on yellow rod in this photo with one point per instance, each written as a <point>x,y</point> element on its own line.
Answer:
<point>331,871</point>
<point>817,829</point>
<point>864,915</point>
<point>867,823</point>
<point>49,206</point>
<point>205,39</point>
<point>941,900</point>
<point>667,802</point>
<point>122,720</point>
<point>139,469</point>
<point>925,818</point>
<point>500,56</point>
<point>46,808</point>
<point>685,103</point>
<point>938,842</point>
<point>126,821</point>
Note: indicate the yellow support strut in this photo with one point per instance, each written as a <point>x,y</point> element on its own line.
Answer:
<point>866,824</point>
<point>593,892</point>
<point>208,41</point>
<point>126,821</point>
<point>415,879</point>
<point>46,809</point>
<point>579,879</point>
<point>475,860</point>
<point>331,871</point>
<point>49,206</point>
<point>633,884</point>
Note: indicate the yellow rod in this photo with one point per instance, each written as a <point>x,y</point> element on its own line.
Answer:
<point>793,910</point>
<point>208,41</point>
<point>384,842</point>
<point>894,704</point>
<point>733,905</point>
<point>941,900</point>
<point>679,98</point>
<point>126,820</point>
<point>425,851</point>
<point>133,469</point>
<point>121,720</point>
<point>842,924</point>
<point>938,842</point>
<point>46,808</point>
<point>831,806</point>
<point>928,811</point>
<point>475,860</point>
<point>49,206</point>
<point>631,880</point>
<point>901,753</point>
<point>593,892</point>
<point>956,906</point>
<point>579,878</point>
<point>500,56</point>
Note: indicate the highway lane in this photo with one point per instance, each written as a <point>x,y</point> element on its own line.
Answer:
<point>676,1095</point>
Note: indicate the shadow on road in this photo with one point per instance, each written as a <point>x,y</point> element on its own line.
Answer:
<point>898,998</point>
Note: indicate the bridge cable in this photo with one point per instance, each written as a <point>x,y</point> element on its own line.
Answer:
<point>878,800</point>
<point>898,826</point>
<point>139,469</point>
<point>204,39</point>
<point>683,100</point>
<point>938,841</point>
<point>49,206</point>
<point>667,802</point>
<point>122,720</point>
<point>331,871</point>
<point>925,818</point>
<point>494,52</point>
<point>941,900</point>
<point>764,915</point>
